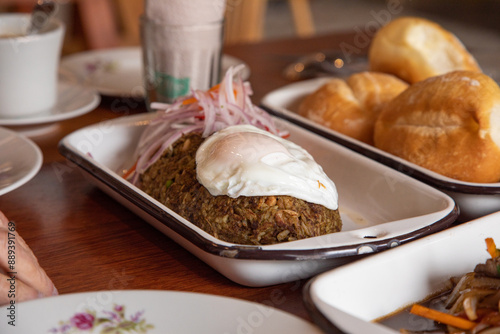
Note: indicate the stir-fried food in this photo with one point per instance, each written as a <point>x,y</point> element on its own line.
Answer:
<point>473,306</point>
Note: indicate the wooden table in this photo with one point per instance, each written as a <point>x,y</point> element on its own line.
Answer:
<point>86,241</point>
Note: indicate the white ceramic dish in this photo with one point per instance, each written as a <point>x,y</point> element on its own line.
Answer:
<point>152,311</point>
<point>348,299</point>
<point>473,199</point>
<point>118,71</point>
<point>73,100</point>
<point>380,208</point>
<point>20,160</point>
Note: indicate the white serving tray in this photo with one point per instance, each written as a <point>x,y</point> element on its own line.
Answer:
<point>349,298</point>
<point>380,208</point>
<point>473,199</point>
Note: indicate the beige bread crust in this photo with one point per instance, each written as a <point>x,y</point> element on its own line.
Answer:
<point>449,124</point>
<point>351,106</point>
<point>415,49</point>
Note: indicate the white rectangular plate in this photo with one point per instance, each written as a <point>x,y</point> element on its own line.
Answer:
<point>349,298</point>
<point>380,208</point>
<point>473,199</point>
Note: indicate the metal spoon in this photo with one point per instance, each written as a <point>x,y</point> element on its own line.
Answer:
<point>42,12</point>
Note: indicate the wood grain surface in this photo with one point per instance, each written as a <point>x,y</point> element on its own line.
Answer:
<point>86,241</point>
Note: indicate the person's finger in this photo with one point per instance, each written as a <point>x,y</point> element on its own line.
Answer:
<point>17,257</point>
<point>3,220</point>
<point>12,289</point>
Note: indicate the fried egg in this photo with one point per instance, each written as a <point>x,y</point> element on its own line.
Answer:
<point>243,160</point>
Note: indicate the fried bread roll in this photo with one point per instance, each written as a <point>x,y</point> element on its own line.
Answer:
<point>351,106</point>
<point>449,124</point>
<point>414,49</point>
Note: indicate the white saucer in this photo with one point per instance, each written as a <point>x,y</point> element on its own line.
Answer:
<point>20,160</point>
<point>72,100</point>
<point>118,72</point>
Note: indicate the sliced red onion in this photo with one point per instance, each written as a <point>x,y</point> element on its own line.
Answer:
<point>203,111</point>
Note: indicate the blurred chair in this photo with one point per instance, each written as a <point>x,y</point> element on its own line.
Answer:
<point>129,13</point>
<point>17,5</point>
<point>112,23</point>
<point>99,23</point>
<point>302,17</point>
<point>103,23</point>
<point>245,20</point>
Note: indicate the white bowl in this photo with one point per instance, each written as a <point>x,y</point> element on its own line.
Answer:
<point>349,298</point>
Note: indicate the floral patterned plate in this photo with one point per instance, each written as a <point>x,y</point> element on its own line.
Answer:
<point>117,72</point>
<point>149,311</point>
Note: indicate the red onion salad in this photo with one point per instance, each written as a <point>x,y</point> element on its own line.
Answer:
<point>225,104</point>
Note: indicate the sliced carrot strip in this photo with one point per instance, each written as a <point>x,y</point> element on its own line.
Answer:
<point>189,101</point>
<point>444,318</point>
<point>215,87</point>
<point>130,171</point>
<point>492,248</point>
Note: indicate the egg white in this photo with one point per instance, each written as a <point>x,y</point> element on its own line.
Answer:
<point>243,160</point>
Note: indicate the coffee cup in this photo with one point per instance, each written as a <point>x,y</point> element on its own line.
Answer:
<point>28,66</point>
